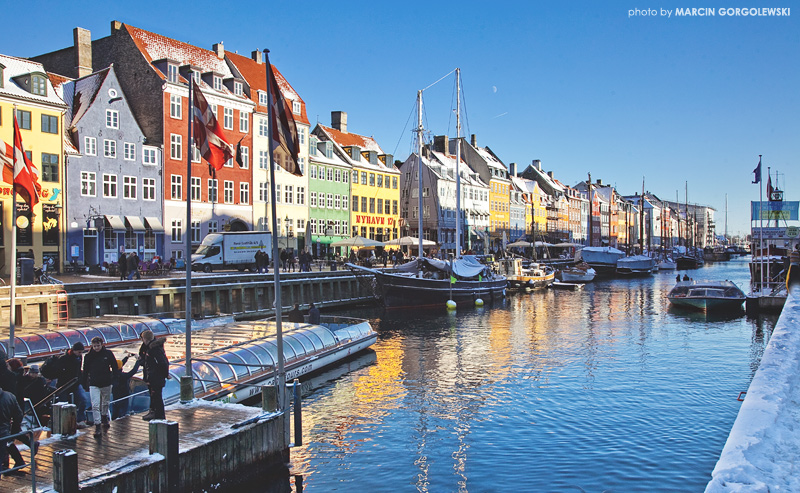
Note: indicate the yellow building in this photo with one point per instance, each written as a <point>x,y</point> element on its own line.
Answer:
<point>374,181</point>
<point>40,114</point>
<point>539,201</point>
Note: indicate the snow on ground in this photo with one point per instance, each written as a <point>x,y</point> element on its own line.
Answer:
<point>762,453</point>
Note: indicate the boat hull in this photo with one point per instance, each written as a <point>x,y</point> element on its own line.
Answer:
<point>687,263</point>
<point>707,296</point>
<point>707,304</point>
<point>639,265</point>
<point>530,282</point>
<point>402,291</point>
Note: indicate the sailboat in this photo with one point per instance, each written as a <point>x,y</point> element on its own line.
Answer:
<point>432,282</point>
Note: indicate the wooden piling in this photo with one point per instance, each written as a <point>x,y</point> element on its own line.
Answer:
<point>269,398</point>
<point>65,419</point>
<point>65,471</point>
<point>164,441</point>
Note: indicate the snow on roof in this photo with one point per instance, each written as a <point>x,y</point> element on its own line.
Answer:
<point>81,93</point>
<point>350,139</point>
<point>490,158</point>
<point>14,67</point>
<point>157,47</point>
<point>468,176</point>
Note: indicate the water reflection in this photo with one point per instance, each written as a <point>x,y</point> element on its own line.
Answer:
<point>599,389</point>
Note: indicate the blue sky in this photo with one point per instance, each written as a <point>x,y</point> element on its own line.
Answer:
<point>580,85</point>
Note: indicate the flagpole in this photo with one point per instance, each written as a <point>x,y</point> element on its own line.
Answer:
<point>13,289</point>
<point>281,377</point>
<point>761,223</point>
<point>187,390</point>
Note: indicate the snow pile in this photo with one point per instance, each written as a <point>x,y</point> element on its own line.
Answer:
<point>763,447</point>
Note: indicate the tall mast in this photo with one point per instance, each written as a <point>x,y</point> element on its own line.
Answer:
<point>641,222</point>
<point>419,170</point>
<point>458,163</point>
<point>591,213</point>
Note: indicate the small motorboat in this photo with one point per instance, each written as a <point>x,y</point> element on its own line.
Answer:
<point>534,276</point>
<point>581,273</point>
<point>707,295</point>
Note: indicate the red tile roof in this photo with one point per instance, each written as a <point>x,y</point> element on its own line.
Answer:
<point>256,76</point>
<point>351,139</point>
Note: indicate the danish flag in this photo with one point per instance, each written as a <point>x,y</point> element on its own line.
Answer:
<point>18,170</point>
<point>208,135</point>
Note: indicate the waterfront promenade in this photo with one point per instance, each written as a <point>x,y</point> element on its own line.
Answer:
<point>762,453</point>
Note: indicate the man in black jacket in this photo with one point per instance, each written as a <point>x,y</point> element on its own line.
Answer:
<point>70,378</point>
<point>10,421</point>
<point>156,371</point>
<point>99,372</point>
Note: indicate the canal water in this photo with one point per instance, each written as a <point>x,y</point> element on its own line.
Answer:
<point>607,389</point>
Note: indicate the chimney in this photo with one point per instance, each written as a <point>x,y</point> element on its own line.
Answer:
<point>83,51</point>
<point>473,140</point>
<point>440,144</point>
<point>537,163</point>
<point>550,174</point>
<point>339,121</point>
<point>256,55</point>
<point>115,26</point>
<point>599,182</point>
<point>219,49</point>
<point>512,169</point>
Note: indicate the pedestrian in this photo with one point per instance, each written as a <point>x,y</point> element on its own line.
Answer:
<point>122,265</point>
<point>292,260</point>
<point>10,423</point>
<point>99,372</point>
<point>122,388</point>
<point>295,315</point>
<point>686,277</point>
<point>284,258</point>
<point>69,371</point>
<point>133,266</point>
<point>156,371</point>
<point>313,314</point>
<point>8,379</point>
<point>33,386</point>
<point>678,278</point>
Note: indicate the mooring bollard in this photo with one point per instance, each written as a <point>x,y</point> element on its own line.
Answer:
<point>269,398</point>
<point>65,471</point>
<point>187,390</point>
<point>164,441</point>
<point>65,419</point>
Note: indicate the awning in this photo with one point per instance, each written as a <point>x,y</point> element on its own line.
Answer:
<point>154,224</point>
<point>116,223</point>
<point>136,224</point>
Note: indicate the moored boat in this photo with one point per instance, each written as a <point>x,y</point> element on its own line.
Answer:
<point>707,295</point>
<point>578,273</point>
<point>601,259</point>
<point>534,276</point>
<point>636,265</point>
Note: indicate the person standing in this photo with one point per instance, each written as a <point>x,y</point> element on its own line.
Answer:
<point>122,265</point>
<point>10,422</point>
<point>133,266</point>
<point>295,315</point>
<point>70,379</point>
<point>156,370</point>
<point>313,314</point>
<point>121,388</point>
<point>99,372</point>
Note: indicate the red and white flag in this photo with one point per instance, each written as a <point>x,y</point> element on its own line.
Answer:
<point>18,170</point>
<point>284,130</point>
<point>208,135</point>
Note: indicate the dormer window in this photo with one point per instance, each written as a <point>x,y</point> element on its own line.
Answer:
<point>38,85</point>
<point>1,75</point>
<point>237,88</point>
<point>217,83</point>
<point>196,77</point>
<point>172,73</point>
<point>296,107</point>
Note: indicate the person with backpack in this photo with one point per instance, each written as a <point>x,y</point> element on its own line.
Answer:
<point>99,372</point>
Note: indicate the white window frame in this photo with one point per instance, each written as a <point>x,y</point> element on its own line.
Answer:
<point>176,146</point>
<point>238,88</point>
<point>213,190</point>
<point>244,193</point>
<point>110,148</point>
<point>244,122</point>
<point>288,194</point>
<point>312,199</point>
<point>245,157</point>
<point>149,156</point>
<point>148,188</point>
<point>263,127</point>
<point>176,231</point>
<point>227,192</point>
<point>129,151</point>
<point>345,204</point>
<point>88,184</point>
<point>176,187</point>
<point>176,106</point>
<point>112,119</point>
<point>110,190</point>
<point>227,121</point>
<point>129,185</point>
<point>90,146</point>
<point>172,73</point>
<point>301,196</point>
<point>195,189</point>
<point>263,191</point>
<point>296,107</point>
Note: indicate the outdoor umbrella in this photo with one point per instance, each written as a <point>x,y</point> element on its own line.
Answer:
<point>564,245</point>
<point>542,244</point>
<point>357,242</point>
<point>520,243</point>
<point>409,241</point>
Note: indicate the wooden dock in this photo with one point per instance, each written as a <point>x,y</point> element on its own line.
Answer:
<point>209,451</point>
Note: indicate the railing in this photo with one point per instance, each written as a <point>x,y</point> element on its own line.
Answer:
<point>31,433</point>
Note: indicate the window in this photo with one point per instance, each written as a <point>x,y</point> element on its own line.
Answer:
<point>263,191</point>
<point>380,181</point>
<point>227,121</point>
<point>149,156</point>
<point>301,136</point>
<point>195,153</point>
<point>312,171</point>
<point>197,78</point>
<point>128,187</point>
<point>129,153</point>
<point>394,207</point>
<point>344,176</point>
<point>214,110</point>
<point>213,226</point>
<point>330,174</point>
<point>372,206</point>
<point>175,106</point>
<point>195,188</point>
<point>176,187</point>
<point>312,199</point>
<point>263,127</point>
<point>337,201</point>
<point>177,231</point>
<point>88,183</point>
<point>345,204</point>
<point>109,186</point>
<point>90,146</point>
<point>244,193</point>
<point>112,119</point>
<point>172,73</point>
<point>195,231</point>
<point>213,185</point>
<point>263,159</point>
<point>289,194</point>
<point>321,201</point>
<point>278,193</point>
<point>380,206</point>
<point>148,188</point>
<point>301,163</point>
<point>237,88</point>
<point>263,98</point>
<point>296,107</point>
<point>363,177</point>
<point>109,148</point>
<point>49,167</point>
<point>38,85</point>
<point>49,124</point>
<point>372,179</point>
<point>244,122</point>
<point>364,204</point>
<point>301,195</point>
<point>394,182</point>
<point>176,146</point>
<point>355,176</point>
<point>24,119</point>
<point>245,157</point>
<point>217,83</point>
<point>387,209</point>
<point>330,201</point>
<point>229,163</point>
<point>227,192</point>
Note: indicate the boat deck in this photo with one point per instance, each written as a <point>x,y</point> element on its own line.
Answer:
<point>125,444</point>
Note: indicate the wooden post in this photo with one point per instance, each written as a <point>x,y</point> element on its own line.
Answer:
<point>65,471</point>
<point>164,441</point>
<point>298,415</point>
<point>269,398</point>
<point>65,419</point>
<point>187,390</point>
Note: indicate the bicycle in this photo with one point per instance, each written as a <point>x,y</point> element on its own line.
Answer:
<point>41,276</point>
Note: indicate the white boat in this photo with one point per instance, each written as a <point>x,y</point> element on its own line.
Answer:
<point>666,264</point>
<point>636,265</point>
<point>602,259</point>
<point>707,295</point>
<point>579,273</point>
<point>534,276</point>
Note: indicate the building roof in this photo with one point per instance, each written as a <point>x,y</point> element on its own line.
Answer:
<point>256,76</point>
<point>82,94</point>
<point>346,139</point>
<point>14,67</point>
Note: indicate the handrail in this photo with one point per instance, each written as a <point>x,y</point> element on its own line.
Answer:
<point>30,432</point>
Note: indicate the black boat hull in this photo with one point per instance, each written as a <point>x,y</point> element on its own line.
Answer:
<point>404,291</point>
